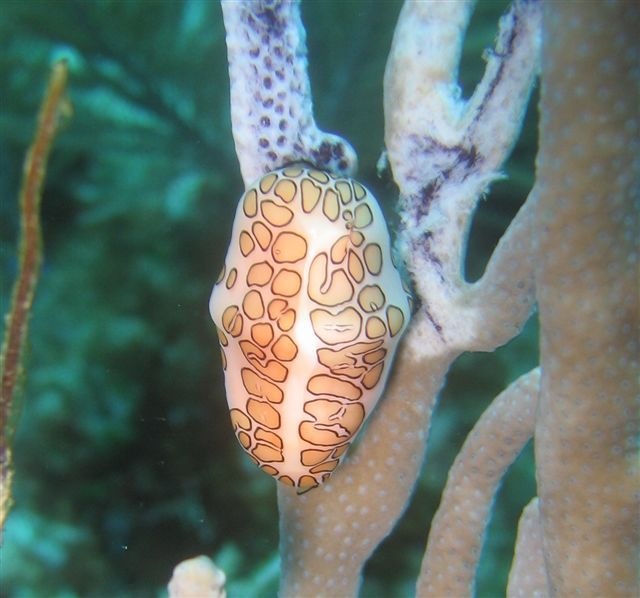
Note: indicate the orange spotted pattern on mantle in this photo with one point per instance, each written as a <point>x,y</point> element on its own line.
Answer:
<point>309,309</point>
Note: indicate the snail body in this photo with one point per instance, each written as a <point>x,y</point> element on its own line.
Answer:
<point>309,309</point>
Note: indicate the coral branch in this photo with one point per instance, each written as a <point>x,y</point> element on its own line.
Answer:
<point>457,530</point>
<point>445,151</point>
<point>495,111</point>
<point>53,107</point>
<point>528,575</point>
<point>587,280</point>
<point>271,107</point>
<point>494,309</point>
<point>327,535</point>
<point>422,104</point>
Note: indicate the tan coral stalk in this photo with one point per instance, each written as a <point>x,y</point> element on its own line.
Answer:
<point>327,535</point>
<point>587,279</point>
<point>457,530</point>
<point>528,575</point>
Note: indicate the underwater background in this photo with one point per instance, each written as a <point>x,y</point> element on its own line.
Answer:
<point>125,462</point>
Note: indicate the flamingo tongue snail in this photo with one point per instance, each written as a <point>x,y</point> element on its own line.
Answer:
<point>309,309</point>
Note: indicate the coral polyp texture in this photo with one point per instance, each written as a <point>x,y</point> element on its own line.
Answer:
<point>309,308</point>
<point>269,82</point>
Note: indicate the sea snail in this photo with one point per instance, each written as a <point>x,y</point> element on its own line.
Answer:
<point>309,309</point>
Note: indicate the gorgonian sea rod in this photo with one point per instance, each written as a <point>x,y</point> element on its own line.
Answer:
<point>572,248</point>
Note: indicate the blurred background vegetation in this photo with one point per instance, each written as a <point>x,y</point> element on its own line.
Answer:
<point>125,460</point>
